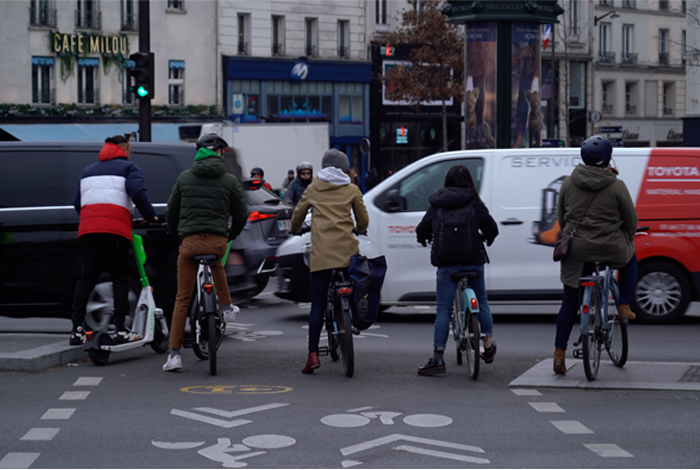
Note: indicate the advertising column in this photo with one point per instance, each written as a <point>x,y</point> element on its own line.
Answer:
<point>480,92</point>
<point>526,113</point>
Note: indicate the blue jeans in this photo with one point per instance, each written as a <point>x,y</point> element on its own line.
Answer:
<point>568,313</point>
<point>319,298</point>
<point>446,289</point>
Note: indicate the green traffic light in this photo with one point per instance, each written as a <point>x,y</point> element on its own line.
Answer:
<point>142,92</point>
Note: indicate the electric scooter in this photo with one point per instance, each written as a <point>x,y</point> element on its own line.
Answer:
<point>149,321</point>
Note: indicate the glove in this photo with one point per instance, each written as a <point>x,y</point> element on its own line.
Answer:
<point>489,242</point>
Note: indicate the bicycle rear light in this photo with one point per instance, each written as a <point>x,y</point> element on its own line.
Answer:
<point>588,283</point>
<point>344,290</point>
<point>585,308</point>
<point>208,288</point>
<point>474,304</point>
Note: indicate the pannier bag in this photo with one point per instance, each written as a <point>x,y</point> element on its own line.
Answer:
<point>367,276</point>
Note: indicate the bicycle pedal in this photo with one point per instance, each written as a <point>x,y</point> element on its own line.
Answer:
<point>323,351</point>
<point>578,353</point>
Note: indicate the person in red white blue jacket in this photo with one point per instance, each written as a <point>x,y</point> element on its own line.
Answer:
<point>105,198</point>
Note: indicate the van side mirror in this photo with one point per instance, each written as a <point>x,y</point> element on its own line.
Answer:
<point>392,202</point>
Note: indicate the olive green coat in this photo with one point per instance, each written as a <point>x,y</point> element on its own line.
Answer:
<point>606,233</point>
<point>332,241</point>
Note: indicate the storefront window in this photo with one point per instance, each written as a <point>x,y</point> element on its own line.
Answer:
<point>350,105</point>
<point>299,102</point>
<point>244,106</point>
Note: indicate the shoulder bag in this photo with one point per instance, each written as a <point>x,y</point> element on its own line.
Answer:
<point>561,247</point>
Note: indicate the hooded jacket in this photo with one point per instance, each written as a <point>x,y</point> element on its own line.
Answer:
<point>454,198</point>
<point>295,189</point>
<point>332,197</point>
<point>606,233</point>
<point>107,192</point>
<point>204,197</point>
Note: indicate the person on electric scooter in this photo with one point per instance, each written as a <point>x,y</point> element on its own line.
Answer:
<point>257,173</point>
<point>458,194</point>
<point>105,197</point>
<point>332,198</point>
<point>203,199</point>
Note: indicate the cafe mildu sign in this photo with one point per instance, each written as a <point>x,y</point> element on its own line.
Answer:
<point>89,43</point>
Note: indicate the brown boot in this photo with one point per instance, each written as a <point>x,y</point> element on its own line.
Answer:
<point>559,361</point>
<point>625,313</point>
<point>312,363</point>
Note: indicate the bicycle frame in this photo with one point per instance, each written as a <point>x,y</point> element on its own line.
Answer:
<point>605,282</point>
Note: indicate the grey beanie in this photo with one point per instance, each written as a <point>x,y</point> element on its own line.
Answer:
<point>335,158</point>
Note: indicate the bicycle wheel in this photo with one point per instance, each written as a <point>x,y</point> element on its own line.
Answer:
<point>457,324</point>
<point>332,343</point>
<point>592,342</point>
<point>344,322</point>
<point>201,346</point>
<point>617,342</point>
<point>471,342</point>
<point>212,340</point>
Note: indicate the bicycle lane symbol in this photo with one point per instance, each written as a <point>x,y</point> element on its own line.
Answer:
<point>362,416</point>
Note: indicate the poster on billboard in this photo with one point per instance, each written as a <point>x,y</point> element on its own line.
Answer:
<point>480,92</point>
<point>526,112</point>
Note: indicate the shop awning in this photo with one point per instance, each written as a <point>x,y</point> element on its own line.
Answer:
<point>160,132</point>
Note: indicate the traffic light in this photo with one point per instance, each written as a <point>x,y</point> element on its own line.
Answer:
<point>141,75</point>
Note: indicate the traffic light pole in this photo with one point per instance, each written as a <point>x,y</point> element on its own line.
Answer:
<point>144,46</point>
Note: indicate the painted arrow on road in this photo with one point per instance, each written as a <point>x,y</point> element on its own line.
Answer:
<point>226,414</point>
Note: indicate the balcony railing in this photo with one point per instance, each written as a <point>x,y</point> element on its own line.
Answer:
<point>129,22</point>
<point>176,96</point>
<point>43,97</point>
<point>663,58</point>
<point>629,57</point>
<point>629,4</point>
<point>630,109</point>
<point>663,5</point>
<point>88,19</point>
<point>89,97</point>
<point>42,17</point>
<point>344,52</point>
<point>606,57</point>
<point>668,111</point>
<point>310,50</point>
<point>607,3</point>
<point>608,108</point>
<point>278,49</point>
<point>242,48</point>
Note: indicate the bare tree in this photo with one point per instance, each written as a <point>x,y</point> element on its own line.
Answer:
<point>436,63</point>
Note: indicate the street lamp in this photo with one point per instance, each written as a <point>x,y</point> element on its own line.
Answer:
<point>612,14</point>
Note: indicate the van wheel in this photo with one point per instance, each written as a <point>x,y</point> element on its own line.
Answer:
<point>101,300</point>
<point>662,294</point>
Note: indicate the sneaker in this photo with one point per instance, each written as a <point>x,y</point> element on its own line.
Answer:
<point>125,336</point>
<point>489,353</point>
<point>173,363</point>
<point>77,336</point>
<point>432,368</point>
<point>230,312</point>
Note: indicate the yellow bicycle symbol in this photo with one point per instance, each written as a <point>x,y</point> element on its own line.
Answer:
<point>236,389</point>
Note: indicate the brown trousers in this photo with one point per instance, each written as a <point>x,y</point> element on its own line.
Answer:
<point>202,244</point>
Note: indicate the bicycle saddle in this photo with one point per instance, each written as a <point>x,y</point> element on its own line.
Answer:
<point>468,274</point>
<point>206,259</point>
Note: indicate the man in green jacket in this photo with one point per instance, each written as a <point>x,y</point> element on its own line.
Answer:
<point>198,210</point>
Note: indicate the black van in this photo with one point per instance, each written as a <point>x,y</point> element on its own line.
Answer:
<point>39,248</point>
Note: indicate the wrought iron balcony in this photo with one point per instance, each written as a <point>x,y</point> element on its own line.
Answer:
<point>41,16</point>
<point>663,58</point>
<point>606,57</point>
<point>129,22</point>
<point>278,49</point>
<point>88,19</point>
<point>310,50</point>
<point>663,5</point>
<point>242,48</point>
<point>344,52</point>
<point>630,109</point>
<point>629,57</point>
<point>89,96</point>
<point>629,4</point>
<point>607,3</point>
<point>608,108</point>
<point>43,96</point>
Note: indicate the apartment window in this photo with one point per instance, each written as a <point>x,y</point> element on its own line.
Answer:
<point>604,37</point>
<point>663,5</point>
<point>42,13</point>
<point>668,98</point>
<point>684,45</point>
<point>608,99</point>
<point>629,4</point>
<point>278,34</point>
<point>574,19</point>
<point>577,87</point>
<point>663,46</point>
<point>128,15</point>
<point>176,82</point>
<point>311,37</point>
<point>630,98</point>
<point>42,80</point>
<point>127,96</point>
<point>87,15</point>
<point>381,11</point>
<point>176,4</point>
<point>87,81</point>
<point>243,34</point>
<point>628,56</point>
<point>344,39</point>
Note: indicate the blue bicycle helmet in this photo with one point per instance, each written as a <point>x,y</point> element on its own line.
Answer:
<point>596,151</point>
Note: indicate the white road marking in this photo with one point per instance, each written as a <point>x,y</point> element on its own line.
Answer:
<point>443,455</point>
<point>386,417</point>
<point>87,381</point>
<point>58,413</point>
<point>547,407</point>
<point>363,408</point>
<point>269,441</point>
<point>40,434</point>
<point>608,450</point>
<point>74,396</point>
<point>19,459</point>
<point>524,392</point>
<point>268,333</point>
<point>345,421</point>
<point>571,427</point>
<point>219,453</point>
<point>422,307</point>
<point>427,420</point>
<point>402,437</point>
<point>350,463</point>
<point>372,334</point>
<point>176,445</point>
<point>206,419</point>
<point>245,411</point>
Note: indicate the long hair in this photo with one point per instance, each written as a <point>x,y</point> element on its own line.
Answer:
<point>459,176</point>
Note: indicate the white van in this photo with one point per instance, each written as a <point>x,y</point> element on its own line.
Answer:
<point>520,188</point>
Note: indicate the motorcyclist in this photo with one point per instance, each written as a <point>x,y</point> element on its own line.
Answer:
<point>296,188</point>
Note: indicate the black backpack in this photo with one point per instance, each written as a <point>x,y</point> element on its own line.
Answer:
<point>456,235</point>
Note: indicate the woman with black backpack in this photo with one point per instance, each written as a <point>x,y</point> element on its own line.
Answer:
<point>458,206</point>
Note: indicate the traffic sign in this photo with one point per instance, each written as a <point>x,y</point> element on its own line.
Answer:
<point>610,129</point>
<point>616,142</point>
<point>596,116</point>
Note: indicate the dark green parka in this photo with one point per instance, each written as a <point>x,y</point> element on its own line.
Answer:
<point>606,233</point>
<point>204,197</point>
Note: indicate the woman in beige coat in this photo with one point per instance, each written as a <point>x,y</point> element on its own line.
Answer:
<point>605,234</point>
<point>332,198</point>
